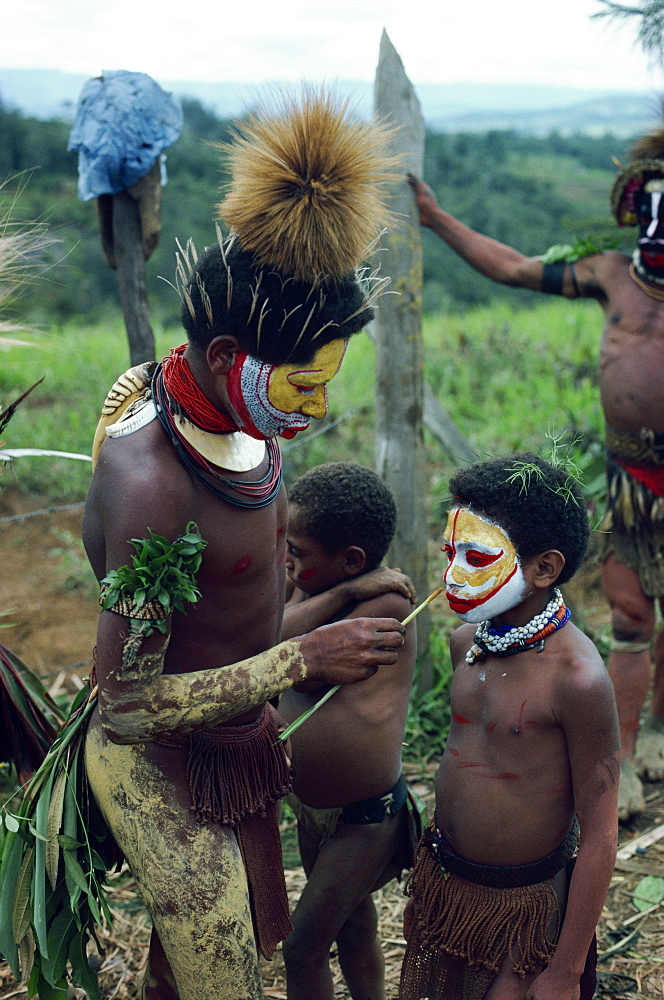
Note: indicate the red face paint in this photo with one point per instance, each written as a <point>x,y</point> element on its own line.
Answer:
<point>490,727</point>
<point>307,574</point>
<point>460,718</point>
<point>455,753</point>
<point>460,606</point>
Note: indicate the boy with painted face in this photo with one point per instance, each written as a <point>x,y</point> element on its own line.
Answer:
<point>183,755</point>
<point>629,288</point>
<point>498,909</point>
<point>355,830</point>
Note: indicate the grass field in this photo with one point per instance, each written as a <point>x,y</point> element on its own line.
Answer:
<point>509,379</point>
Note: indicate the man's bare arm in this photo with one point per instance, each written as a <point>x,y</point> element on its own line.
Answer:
<point>304,615</point>
<point>138,702</point>
<point>588,716</point>
<point>585,278</point>
<point>497,261</point>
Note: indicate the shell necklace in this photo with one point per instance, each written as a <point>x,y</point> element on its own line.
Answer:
<point>506,640</point>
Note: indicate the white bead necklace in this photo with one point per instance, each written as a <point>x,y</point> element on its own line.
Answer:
<point>507,640</point>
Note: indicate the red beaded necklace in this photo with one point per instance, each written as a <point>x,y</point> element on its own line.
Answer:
<point>179,386</point>
<point>183,388</point>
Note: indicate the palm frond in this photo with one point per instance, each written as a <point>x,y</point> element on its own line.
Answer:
<point>29,718</point>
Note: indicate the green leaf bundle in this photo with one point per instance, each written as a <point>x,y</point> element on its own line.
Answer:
<point>582,246</point>
<point>161,571</point>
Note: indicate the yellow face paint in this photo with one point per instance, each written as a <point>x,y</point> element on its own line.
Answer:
<point>298,389</point>
<point>483,577</point>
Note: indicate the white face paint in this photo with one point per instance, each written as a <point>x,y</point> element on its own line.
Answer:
<point>281,399</point>
<point>484,578</point>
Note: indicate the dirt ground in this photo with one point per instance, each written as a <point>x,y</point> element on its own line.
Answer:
<point>48,609</point>
<point>48,615</point>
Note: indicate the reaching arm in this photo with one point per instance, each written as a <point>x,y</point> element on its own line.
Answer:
<point>588,277</point>
<point>588,716</point>
<point>495,260</point>
<point>139,699</point>
<point>304,615</point>
<point>138,702</point>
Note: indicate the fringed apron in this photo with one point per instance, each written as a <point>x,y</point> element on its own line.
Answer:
<point>471,917</point>
<point>633,521</point>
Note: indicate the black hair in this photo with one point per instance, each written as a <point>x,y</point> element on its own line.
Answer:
<point>341,504</point>
<point>275,318</point>
<point>539,505</point>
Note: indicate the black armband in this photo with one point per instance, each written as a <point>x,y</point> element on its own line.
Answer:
<point>575,283</point>
<point>552,278</point>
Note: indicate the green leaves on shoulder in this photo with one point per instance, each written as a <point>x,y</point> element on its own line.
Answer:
<point>569,253</point>
<point>160,571</point>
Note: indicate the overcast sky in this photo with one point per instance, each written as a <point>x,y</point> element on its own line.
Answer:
<point>251,41</point>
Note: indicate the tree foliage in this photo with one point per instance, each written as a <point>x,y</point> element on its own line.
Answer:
<point>650,33</point>
<point>526,191</point>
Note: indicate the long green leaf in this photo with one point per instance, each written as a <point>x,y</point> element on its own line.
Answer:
<point>47,991</point>
<point>60,935</point>
<point>53,822</point>
<point>26,955</point>
<point>77,873</point>
<point>81,972</point>
<point>70,820</point>
<point>12,857</point>
<point>39,880</point>
<point>21,906</point>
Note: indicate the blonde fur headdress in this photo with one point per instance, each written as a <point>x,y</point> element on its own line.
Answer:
<point>308,180</point>
<point>305,206</point>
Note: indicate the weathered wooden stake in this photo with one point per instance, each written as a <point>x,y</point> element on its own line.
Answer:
<point>130,263</point>
<point>399,353</point>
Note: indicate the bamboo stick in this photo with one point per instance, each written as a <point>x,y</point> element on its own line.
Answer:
<point>328,694</point>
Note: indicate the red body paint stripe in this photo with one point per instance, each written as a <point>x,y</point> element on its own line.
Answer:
<point>241,565</point>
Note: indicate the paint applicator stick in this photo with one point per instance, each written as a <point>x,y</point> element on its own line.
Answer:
<point>328,694</point>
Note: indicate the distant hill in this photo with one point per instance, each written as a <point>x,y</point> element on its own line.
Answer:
<point>473,107</point>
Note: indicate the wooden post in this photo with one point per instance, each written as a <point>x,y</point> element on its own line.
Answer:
<point>130,263</point>
<point>399,353</point>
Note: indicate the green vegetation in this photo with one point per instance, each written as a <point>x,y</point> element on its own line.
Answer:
<point>510,378</point>
<point>513,369</point>
<point>526,191</point>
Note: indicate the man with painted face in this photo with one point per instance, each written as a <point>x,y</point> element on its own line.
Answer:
<point>498,908</point>
<point>183,755</point>
<point>631,373</point>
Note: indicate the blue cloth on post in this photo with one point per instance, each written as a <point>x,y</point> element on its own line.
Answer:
<point>123,122</point>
